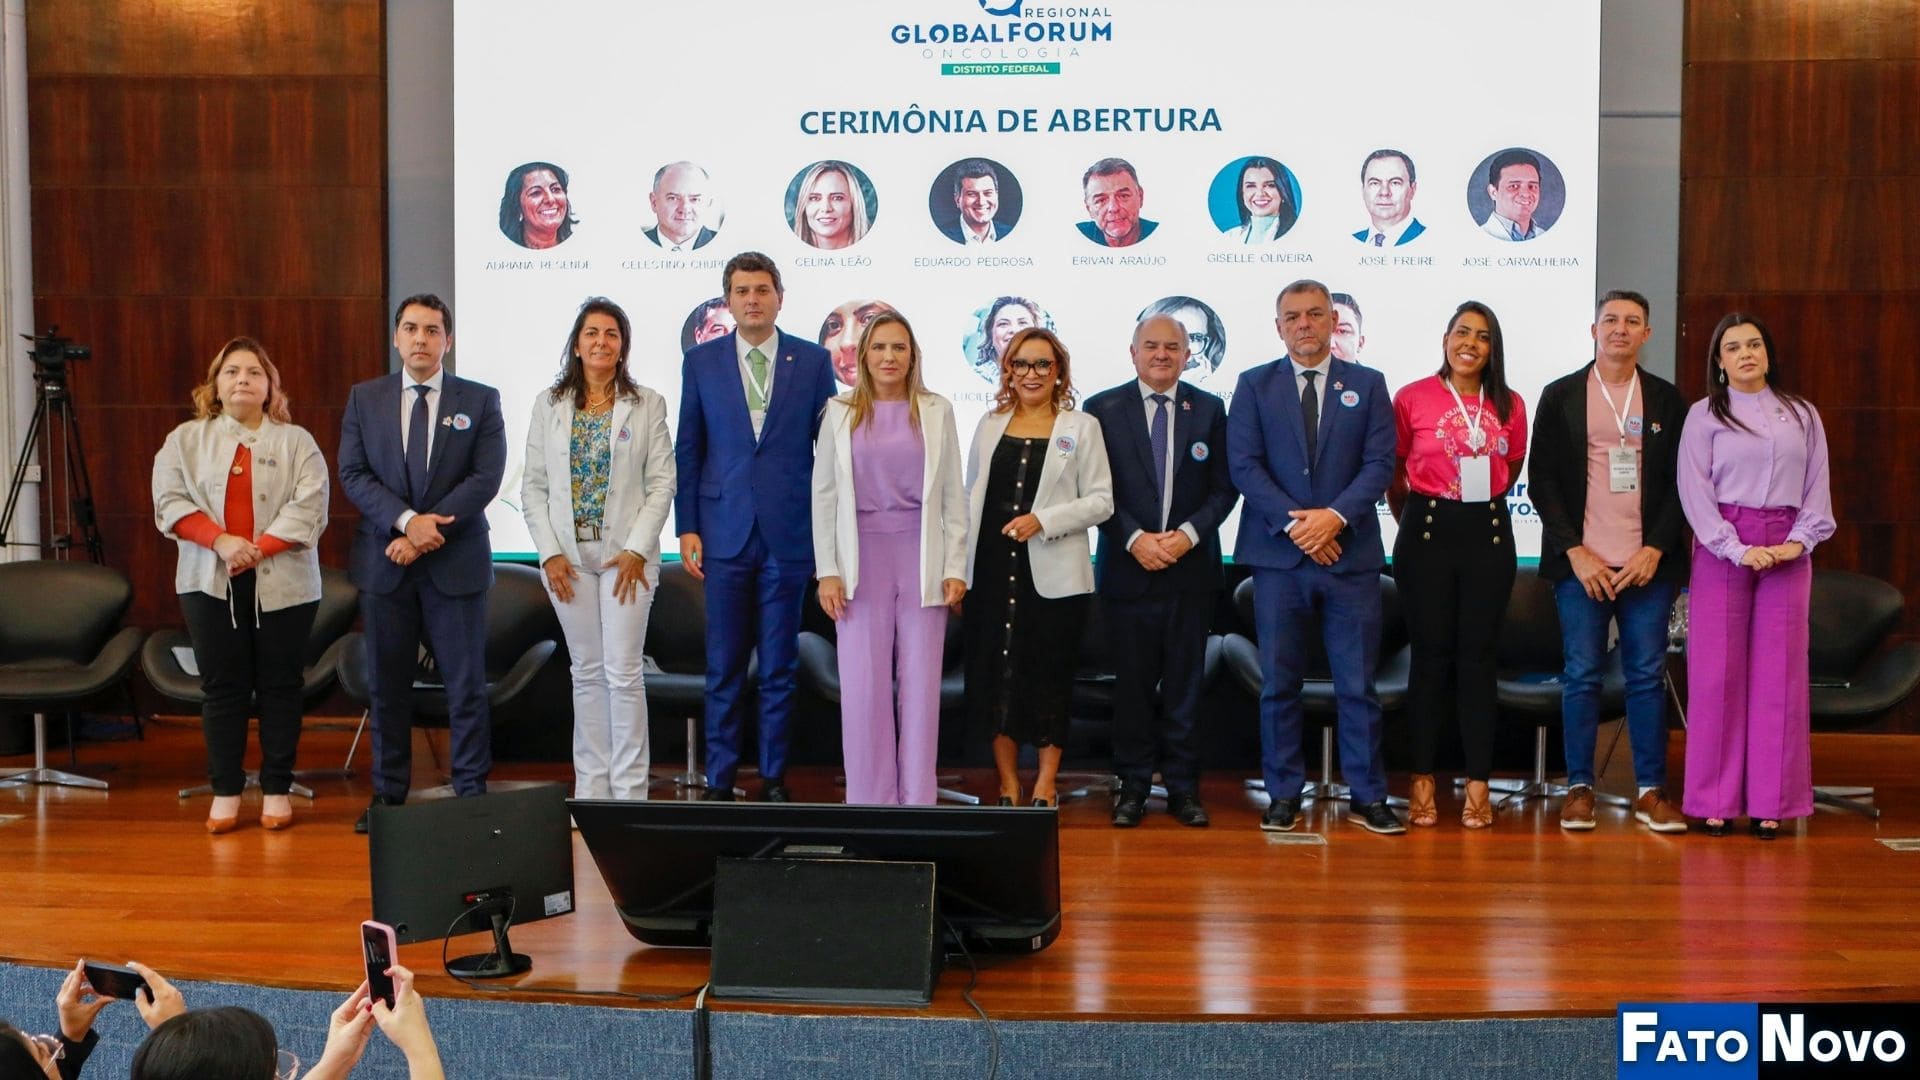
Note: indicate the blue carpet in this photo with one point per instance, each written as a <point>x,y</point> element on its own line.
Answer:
<point>501,1040</point>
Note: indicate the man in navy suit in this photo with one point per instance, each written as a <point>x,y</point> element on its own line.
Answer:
<point>1310,443</point>
<point>750,405</point>
<point>421,455</point>
<point>1159,565</point>
<point>679,200</point>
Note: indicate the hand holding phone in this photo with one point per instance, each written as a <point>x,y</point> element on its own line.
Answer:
<point>377,947</point>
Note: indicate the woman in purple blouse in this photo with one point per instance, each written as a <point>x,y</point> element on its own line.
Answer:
<point>890,549</point>
<point>1753,483</point>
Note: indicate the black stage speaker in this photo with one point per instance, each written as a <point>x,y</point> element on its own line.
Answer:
<point>849,931</point>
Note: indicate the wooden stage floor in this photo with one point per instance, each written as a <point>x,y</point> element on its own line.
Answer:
<point>1160,923</point>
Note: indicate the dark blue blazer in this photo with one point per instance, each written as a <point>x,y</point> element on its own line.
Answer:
<point>729,482</point>
<point>1267,455</point>
<point>463,476</point>
<point>1203,492</point>
<point>1414,229</point>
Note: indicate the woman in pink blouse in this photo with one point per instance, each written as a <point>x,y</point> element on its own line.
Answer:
<point>1462,439</point>
<point>1753,483</point>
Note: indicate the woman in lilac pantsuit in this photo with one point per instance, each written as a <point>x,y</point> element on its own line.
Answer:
<point>1753,483</point>
<point>890,548</point>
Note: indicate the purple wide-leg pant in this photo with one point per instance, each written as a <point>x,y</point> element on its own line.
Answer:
<point>890,650</point>
<point>1749,750</point>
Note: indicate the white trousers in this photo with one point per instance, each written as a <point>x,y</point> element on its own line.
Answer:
<point>606,640</point>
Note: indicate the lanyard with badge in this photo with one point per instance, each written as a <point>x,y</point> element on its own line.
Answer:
<point>1476,470</point>
<point>1623,461</point>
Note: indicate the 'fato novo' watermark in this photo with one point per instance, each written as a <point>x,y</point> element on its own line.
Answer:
<point>1747,1040</point>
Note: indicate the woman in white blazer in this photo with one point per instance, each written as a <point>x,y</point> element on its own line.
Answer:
<point>595,489</point>
<point>243,491</point>
<point>1037,480</point>
<point>890,549</point>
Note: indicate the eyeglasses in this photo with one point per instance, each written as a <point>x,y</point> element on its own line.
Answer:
<point>50,1046</point>
<point>287,1067</point>
<point>1037,367</point>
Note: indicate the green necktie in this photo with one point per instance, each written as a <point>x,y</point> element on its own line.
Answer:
<point>756,386</point>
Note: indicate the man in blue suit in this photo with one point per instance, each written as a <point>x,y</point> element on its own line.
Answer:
<point>750,405</point>
<point>421,455</point>
<point>1387,186</point>
<point>1310,443</point>
<point>1159,565</point>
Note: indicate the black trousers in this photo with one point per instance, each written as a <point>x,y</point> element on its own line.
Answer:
<point>246,668</point>
<point>1454,564</point>
<point>1159,644</point>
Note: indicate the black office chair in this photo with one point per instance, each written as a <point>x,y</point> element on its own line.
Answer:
<point>1531,663</point>
<point>160,659</point>
<point>62,648</point>
<point>676,651</point>
<point>1854,681</point>
<point>1241,658</point>
<point>523,633</point>
<point>820,675</point>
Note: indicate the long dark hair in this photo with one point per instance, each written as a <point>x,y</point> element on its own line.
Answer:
<point>1717,403</point>
<point>1286,211</point>
<point>510,222</point>
<point>573,374</point>
<point>222,1043</point>
<point>16,1058</point>
<point>1493,378</point>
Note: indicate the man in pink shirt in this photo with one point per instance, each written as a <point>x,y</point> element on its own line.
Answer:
<point>1606,440</point>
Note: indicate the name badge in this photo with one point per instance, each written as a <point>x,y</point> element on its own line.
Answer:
<point>1623,469</point>
<point>1476,479</point>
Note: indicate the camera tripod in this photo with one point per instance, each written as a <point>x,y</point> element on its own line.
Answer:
<point>66,520</point>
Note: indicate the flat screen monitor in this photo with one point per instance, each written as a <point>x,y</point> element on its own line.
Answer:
<point>446,866</point>
<point>997,868</point>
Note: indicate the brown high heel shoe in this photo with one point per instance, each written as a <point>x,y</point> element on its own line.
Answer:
<point>275,822</point>
<point>1420,808</point>
<point>1478,813</point>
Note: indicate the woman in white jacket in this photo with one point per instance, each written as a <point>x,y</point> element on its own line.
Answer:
<point>243,490</point>
<point>890,524</point>
<point>595,489</point>
<point>1037,480</point>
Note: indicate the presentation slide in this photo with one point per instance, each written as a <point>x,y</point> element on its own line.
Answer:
<point>985,165</point>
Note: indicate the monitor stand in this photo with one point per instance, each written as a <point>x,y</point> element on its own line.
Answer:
<point>502,962</point>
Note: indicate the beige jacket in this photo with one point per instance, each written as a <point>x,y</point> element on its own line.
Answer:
<point>289,496</point>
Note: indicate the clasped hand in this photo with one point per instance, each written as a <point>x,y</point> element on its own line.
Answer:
<point>1157,551</point>
<point>239,553</point>
<point>1766,558</point>
<point>1313,533</point>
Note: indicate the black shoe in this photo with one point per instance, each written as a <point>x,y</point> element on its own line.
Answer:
<point>1045,802</point>
<point>718,794</point>
<point>1128,808</point>
<point>1376,817</point>
<point>1763,831</point>
<point>360,826</point>
<point>775,791</point>
<point>1186,810</point>
<point>1005,800</point>
<point>1713,829</point>
<point>1281,816</point>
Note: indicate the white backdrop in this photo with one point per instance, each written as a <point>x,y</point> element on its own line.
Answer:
<point>757,99</point>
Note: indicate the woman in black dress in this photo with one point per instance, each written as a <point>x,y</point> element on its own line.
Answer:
<point>1037,480</point>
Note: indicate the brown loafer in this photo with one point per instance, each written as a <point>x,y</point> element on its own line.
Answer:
<point>1478,813</point>
<point>1420,808</point>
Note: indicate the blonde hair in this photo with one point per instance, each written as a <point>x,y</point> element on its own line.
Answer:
<point>861,398</point>
<point>1063,393</point>
<point>856,199</point>
<point>206,398</point>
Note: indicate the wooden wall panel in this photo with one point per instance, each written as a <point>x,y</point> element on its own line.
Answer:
<point>210,132</point>
<point>174,38</point>
<point>1825,118</point>
<point>1800,148</point>
<point>1758,31</point>
<point>205,168</point>
<point>1788,234</point>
